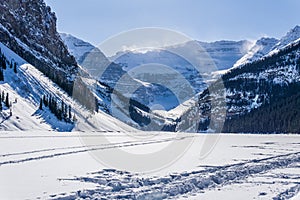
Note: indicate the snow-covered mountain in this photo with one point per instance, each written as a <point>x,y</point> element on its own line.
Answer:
<point>261,48</point>
<point>39,82</point>
<point>181,58</point>
<point>267,46</point>
<point>291,36</point>
<point>223,53</point>
<point>156,61</point>
<point>137,98</point>
<point>78,48</point>
<point>226,53</point>
<point>27,86</point>
<point>262,96</point>
<point>105,75</point>
<point>83,52</point>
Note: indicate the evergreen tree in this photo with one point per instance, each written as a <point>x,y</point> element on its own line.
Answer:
<point>62,106</point>
<point>7,100</point>
<point>3,96</point>
<point>41,104</point>
<point>59,109</point>
<point>70,112</point>
<point>3,63</point>
<point>15,67</point>
<point>45,101</point>
<point>1,75</point>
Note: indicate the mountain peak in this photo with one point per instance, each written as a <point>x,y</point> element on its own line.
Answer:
<point>261,47</point>
<point>295,29</point>
<point>266,40</point>
<point>293,34</point>
<point>267,46</point>
<point>290,37</point>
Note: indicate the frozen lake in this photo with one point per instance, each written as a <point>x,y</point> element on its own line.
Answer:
<point>50,165</point>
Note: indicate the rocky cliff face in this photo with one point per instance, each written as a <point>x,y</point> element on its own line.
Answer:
<point>28,27</point>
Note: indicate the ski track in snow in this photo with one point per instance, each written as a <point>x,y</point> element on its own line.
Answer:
<point>83,149</point>
<point>114,184</point>
<point>55,149</point>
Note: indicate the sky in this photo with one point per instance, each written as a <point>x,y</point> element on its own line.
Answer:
<point>97,20</point>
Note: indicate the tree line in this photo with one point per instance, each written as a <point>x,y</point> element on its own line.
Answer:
<point>4,64</point>
<point>281,116</point>
<point>5,102</point>
<point>60,109</point>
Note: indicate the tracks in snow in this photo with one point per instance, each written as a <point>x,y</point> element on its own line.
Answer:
<point>113,184</point>
<point>80,149</point>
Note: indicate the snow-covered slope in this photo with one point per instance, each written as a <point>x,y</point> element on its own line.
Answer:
<point>27,86</point>
<point>261,48</point>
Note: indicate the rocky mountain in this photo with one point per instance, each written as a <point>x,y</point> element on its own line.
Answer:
<point>261,48</point>
<point>291,36</point>
<point>183,59</point>
<point>39,78</point>
<point>226,53</point>
<point>267,46</point>
<point>33,102</point>
<point>103,75</point>
<point>245,92</point>
<point>78,48</point>
<point>157,62</point>
<point>223,53</point>
<point>29,29</point>
<point>261,96</point>
<point>139,95</point>
<point>83,52</point>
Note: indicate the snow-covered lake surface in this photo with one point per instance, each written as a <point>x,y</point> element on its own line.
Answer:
<point>50,165</point>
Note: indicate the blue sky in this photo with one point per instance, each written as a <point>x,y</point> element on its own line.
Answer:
<point>205,20</point>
